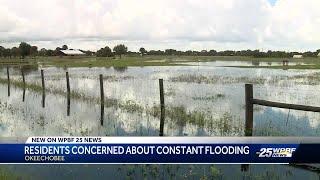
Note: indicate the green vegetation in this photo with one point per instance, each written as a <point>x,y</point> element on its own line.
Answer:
<point>111,78</point>
<point>104,52</point>
<point>105,57</point>
<point>177,114</point>
<point>109,102</point>
<point>310,79</point>
<point>180,116</point>
<point>143,51</point>
<point>120,49</point>
<point>155,171</point>
<point>6,174</point>
<point>131,106</point>
<point>209,98</point>
<point>147,60</point>
<point>190,78</point>
<point>215,172</point>
<point>90,61</point>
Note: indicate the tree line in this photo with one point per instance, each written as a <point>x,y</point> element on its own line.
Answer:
<point>119,50</point>
<point>26,49</point>
<point>251,53</point>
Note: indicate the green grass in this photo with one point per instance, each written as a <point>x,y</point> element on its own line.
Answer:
<point>190,78</point>
<point>209,98</point>
<point>178,114</point>
<point>309,79</point>
<point>181,117</point>
<point>6,174</point>
<point>126,61</point>
<point>109,102</point>
<point>91,61</point>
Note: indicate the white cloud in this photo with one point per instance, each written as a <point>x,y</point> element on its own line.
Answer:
<point>159,24</point>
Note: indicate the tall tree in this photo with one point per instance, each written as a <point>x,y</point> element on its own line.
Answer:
<point>15,51</point>
<point>120,49</point>
<point>50,52</point>
<point>7,52</point>
<point>24,49</point>
<point>143,51</point>
<point>212,52</point>
<point>170,52</point>
<point>104,52</point>
<point>42,52</point>
<point>2,49</point>
<point>33,51</point>
<point>56,52</point>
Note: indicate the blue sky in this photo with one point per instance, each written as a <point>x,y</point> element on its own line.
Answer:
<point>272,2</point>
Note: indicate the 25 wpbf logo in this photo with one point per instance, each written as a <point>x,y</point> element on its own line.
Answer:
<point>276,152</point>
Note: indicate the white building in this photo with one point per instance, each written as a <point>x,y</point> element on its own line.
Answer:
<point>71,52</point>
<point>297,56</point>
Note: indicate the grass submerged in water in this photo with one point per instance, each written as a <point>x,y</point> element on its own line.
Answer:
<point>209,98</point>
<point>177,114</point>
<point>308,79</point>
<point>109,102</point>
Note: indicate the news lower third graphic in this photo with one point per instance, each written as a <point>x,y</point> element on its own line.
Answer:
<point>160,150</point>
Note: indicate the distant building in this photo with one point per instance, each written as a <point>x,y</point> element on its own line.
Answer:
<point>71,52</point>
<point>297,56</point>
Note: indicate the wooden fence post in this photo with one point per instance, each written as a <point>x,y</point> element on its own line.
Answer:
<point>162,107</point>
<point>102,99</point>
<point>8,78</point>
<point>43,89</point>
<point>249,117</point>
<point>24,85</point>
<point>68,94</point>
<point>249,109</point>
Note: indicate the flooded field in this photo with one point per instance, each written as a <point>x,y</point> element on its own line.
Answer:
<point>204,99</point>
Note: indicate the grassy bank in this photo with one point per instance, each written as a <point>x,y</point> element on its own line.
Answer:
<point>147,61</point>
<point>95,61</point>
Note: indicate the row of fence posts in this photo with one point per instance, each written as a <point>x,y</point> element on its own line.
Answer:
<point>249,101</point>
<point>102,97</point>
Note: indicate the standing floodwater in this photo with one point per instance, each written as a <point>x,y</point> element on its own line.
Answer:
<point>202,100</point>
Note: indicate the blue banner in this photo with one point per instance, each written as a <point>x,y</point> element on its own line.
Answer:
<point>159,153</point>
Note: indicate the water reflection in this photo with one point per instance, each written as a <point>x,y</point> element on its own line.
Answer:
<point>120,69</point>
<point>195,107</point>
<point>158,172</point>
<point>27,69</point>
<point>136,92</point>
<point>255,63</point>
<point>277,123</point>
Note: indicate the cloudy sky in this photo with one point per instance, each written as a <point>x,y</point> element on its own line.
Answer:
<point>160,24</point>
